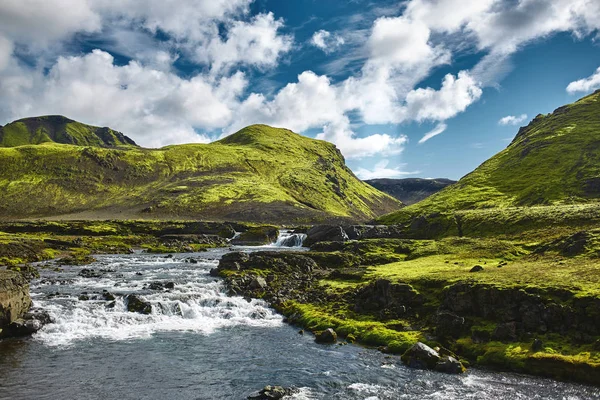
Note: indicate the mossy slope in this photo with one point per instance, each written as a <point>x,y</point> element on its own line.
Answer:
<point>554,161</point>
<point>260,174</point>
<point>58,129</point>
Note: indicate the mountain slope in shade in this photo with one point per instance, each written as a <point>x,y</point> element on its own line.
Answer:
<point>410,190</point>
<point>260,174</point>
<point>555,160</point>
<point>59,129</point>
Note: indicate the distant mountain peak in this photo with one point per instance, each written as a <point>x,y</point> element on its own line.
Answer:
<point>59,129</point>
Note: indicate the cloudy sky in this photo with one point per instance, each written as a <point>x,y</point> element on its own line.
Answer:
<point>427,88</point>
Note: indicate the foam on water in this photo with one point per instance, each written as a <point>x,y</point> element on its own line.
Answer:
<point>198,303</point>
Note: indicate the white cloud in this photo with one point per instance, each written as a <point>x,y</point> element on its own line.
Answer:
<point>512,119</point>
<point>326,41</point>
<point>434,132</point>
<point>254,43</point>
<point>586,85</point>
<point>28,21</point>
<point>154,107</point>
<point>403,43</point>
<point>381,170</point>
<point>455,95</point>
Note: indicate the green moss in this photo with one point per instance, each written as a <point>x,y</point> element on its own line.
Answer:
<point>275,174</point>
<point>367,332</point>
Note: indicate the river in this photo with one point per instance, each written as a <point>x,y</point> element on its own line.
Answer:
<point>200,343</point>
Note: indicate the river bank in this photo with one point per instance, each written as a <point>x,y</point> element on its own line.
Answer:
<point>515,304</point>
<point>509,304</point>
<point>201,343</point>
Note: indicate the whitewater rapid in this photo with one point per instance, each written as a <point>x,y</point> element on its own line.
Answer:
<point>197,302</point>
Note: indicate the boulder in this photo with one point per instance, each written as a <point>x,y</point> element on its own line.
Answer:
<point>421,356</point>
<point>135,304</point>
<point>30,323</point>
<point>386,299</point>
<point>325,233</point>
<point>326,336</point>
<point>273,393</point>
<point>14,297</point>
<point>257,236</point>
<point>449,365</point>
<point>258,283</point>
<point>476,268</point>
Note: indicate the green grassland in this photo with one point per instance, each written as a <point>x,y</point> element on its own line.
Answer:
<point>554,161</point>
<point>258,174</point>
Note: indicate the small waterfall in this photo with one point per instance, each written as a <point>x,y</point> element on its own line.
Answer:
<point>288,239</point>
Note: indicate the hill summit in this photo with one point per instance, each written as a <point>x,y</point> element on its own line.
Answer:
<point>259,174</point>
<point>59,129</point>
<point>555,160</point>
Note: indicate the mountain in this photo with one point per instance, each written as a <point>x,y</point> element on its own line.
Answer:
<point>259,174</point>
<point>410,190</point>
<point>58,129</point>
<point>553,161</point>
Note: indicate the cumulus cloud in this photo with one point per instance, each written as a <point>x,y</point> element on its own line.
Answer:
<point>455,95</point>
<point>326,41</point>
<point>154,107</point>
<point>585,85</point>
<point>381,170</point>
<point>512,119</point>
<point>434,132</point>
<point>256,43</point>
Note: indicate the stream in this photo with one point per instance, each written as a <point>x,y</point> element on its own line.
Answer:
<point>200,343</point>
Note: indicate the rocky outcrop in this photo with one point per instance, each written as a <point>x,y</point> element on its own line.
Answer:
<point>257,236</point>
<point>135,304</point>
<point>273,393</point>
<point>421,356</point>
<point>338,233</point>
<point>387,300</point>
<point>328,336</point>
<point>517,312</point>
<point>14,298</point>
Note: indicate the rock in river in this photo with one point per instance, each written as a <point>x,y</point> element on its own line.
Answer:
<point>135,304</point>
<point>273,393</point>
<point>326,336</point>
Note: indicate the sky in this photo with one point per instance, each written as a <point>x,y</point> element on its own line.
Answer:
<point>416,88</point>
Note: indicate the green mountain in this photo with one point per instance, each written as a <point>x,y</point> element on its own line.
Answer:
<point>260,173</point>
<point>410,190</point>
<point>58,129</point>
<point>553,161</point>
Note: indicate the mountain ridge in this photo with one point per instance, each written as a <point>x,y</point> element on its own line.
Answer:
<point>274,176</point>
<point>59,129</point>
<point>553,161</point>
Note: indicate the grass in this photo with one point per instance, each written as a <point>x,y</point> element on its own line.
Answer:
<point>258,174</point>
<point>554,161</point>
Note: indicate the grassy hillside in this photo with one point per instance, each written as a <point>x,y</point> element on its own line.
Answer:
<point>554,161</point>
<point>258,174</point>
<point>58,129</point>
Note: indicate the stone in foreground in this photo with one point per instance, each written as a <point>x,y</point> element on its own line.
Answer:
<point>273,392</point>
<point>326,336</point>
<point>421,356</point>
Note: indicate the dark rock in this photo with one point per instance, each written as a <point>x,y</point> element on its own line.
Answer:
<point>421,356</point>
<point>449,365</point>
<point>257,236</point>
<point>325,233</point>
<point>90,273</point>
<point>170,285</point>
<point>258,283</point>
<point>273,393</point>
<point>30,323</point>
<point>135,304</point>
<point>108,296</point>
<point>326,336</point>
<point>505,332</point>
<point>388,300</point>
<point>480,336</point>
<point>84,297</point>
<point>537,345</point>
<point>476,268</point>
<point>448,324</point>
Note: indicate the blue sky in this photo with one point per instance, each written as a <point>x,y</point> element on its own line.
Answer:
<point>427,88</point>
